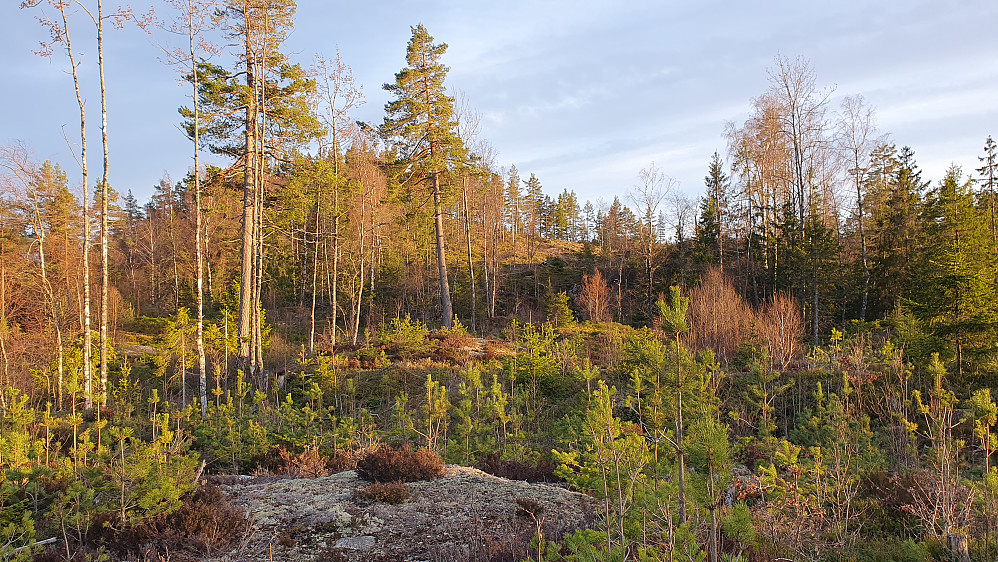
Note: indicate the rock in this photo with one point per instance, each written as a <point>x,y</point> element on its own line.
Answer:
<point>464,515</point>
<point>365,542</point>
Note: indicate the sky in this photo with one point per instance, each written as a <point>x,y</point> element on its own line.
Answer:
<point>584,94</point>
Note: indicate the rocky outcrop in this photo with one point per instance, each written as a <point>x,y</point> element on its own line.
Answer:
<point>464,515</point>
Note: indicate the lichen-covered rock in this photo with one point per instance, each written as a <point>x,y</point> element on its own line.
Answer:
<point>464,515</point>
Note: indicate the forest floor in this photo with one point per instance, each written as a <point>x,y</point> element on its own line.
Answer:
<point>464,515</point>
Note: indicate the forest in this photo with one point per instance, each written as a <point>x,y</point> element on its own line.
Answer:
<point>795,364</point>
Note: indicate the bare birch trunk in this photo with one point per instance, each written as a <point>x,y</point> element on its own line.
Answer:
<point>105,275</point>
<point>198,226</point>
<point>467,237</point>
<point>49,293</point>
<point>315,271</point>
<point>87,335</point>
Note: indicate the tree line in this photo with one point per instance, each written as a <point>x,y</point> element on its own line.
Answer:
<point>324,221</point>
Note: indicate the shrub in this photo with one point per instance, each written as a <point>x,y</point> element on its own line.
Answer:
<point>720,319</point>
<point>205,524</point>
<point>594,298</point>
<point>340,460</point>
<point>557,311</point>
<point>453,344</point>
<point>387,464</point>
<point>307,464</point>
<point>494,464</point>
<point>406,338</point>
<point>390,492</point>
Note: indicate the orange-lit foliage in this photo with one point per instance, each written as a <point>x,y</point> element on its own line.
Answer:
<point>594,298</point>
<point>780,327</point>
<point>307,464</point>
<point>719,317</point>
<point>721,320</point>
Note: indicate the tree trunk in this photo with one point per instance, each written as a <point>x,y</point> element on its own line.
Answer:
<point>438,225</point>
<point>336,263</point>
<point>198,228</point>
<point>315,271</point>
<point>958,545</point>
<point>105,274</point>
<point>249,207</point>
<point>87,336</point>
<point>49,294</point>
<point>862,245</point>
<point>679,435</point>
<point>355,325</point>
<point>3,323</point>
<point>467,237</point>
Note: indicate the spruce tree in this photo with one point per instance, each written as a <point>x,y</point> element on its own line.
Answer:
<point>957,297</point>
<point>713,211</point>
<point>894,198</point>
<point>988,177</point>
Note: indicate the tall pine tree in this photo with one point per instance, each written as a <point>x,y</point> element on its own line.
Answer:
<point>421,128</point>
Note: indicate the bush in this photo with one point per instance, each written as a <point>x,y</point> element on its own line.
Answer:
<point>494,464</point>
<point>406,338</point>
<point>307,464</point>
<point>453,344</point>
<point>895,550</point>
<point>400,465</point>
<point>391,492</point>
<point>205,524</point>
<point>340,460</point>
<point>557,311</point>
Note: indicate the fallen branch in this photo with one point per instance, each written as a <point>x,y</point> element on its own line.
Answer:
<point>39,543</point>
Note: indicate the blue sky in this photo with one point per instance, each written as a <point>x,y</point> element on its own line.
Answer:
<point>582,93</point>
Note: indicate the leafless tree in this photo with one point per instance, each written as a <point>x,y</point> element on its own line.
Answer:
<point>856,130</point>
<point>59,33</point>
<point>653,187</point>
<point>16,160</point>
<point>339,94</point>
<point>192,20</point>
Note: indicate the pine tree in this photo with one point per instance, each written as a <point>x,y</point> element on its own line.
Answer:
<point>250,115</point>
<point>420,126</point>
<point>513,204</point>
<point>534,203</point>
<point>588,222</point>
